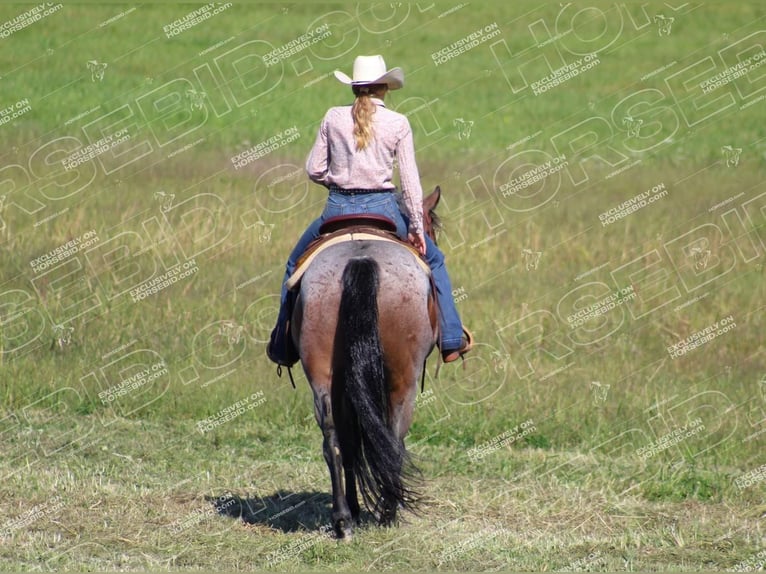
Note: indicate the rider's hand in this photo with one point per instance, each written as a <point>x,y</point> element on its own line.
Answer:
<point>418,241</point>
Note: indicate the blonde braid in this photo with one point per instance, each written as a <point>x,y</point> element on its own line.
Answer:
<point>362,112</point>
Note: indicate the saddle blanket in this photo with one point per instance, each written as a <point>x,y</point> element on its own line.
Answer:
<point>348,235</point>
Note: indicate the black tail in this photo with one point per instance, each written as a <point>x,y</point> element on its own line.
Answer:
<point>361,394</point>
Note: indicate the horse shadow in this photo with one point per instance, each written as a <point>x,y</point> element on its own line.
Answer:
<point>283,510</point>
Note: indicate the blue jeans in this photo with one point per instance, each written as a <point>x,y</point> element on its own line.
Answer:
<point>381,204</point>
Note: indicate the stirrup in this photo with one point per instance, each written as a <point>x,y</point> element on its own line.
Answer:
<point>455,354</point>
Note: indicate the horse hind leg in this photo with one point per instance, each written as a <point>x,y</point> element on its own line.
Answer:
<point>341,515</point>
<point>349,448</point>
<point>401,405</point>
<point>351,496</point>
<point>346,425</point>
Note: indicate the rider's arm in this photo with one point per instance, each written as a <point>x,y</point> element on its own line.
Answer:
<point>410,179</point>
<point>316,164</point>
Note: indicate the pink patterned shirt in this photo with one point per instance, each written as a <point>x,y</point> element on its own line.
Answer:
<point>334,159</point>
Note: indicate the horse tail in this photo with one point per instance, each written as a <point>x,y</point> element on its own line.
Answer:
<point>360,394</point>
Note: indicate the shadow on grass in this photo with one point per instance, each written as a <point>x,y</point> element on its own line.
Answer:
<point>283,510</point>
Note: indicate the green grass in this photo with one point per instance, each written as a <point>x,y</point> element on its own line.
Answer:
<point>89,484</point>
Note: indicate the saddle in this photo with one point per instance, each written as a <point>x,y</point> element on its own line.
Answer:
<point>343,228</point>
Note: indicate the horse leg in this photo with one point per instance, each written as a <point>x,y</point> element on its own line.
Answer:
<point>346,427</point>
<point>341,515</point>
<point>351,497</point>
<point>401,406</point>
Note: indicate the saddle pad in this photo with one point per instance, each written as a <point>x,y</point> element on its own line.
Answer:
<point>305,261</point>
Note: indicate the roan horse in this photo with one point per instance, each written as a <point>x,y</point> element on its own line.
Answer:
<point>364,324</point>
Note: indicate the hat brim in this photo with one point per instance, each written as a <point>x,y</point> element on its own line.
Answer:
<point>394,79</point>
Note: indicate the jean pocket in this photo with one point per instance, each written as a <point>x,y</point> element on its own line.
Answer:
<point>334,207</point>
<point>385,207</point>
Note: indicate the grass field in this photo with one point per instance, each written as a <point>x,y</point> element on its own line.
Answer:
<point>602,171</point>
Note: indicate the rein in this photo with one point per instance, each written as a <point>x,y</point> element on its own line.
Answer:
<point>289,372</point>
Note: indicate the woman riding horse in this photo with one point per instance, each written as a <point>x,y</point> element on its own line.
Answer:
<point>353,156</point>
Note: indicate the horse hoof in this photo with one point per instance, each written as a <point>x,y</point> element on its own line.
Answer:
<point>344,531</point>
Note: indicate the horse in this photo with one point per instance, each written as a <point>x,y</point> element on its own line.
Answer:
<point>364,322</point>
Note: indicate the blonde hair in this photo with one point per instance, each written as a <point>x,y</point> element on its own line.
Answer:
<point>362,112</point>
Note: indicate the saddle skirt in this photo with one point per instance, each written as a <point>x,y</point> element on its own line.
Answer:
<point>351,228</point>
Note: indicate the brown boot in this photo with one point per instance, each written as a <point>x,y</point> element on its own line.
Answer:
<point>466,344</point>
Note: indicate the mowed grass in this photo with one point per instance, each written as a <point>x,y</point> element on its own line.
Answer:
<point>147,480</point>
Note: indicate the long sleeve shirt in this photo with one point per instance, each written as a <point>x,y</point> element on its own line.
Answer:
<point>335,161</point>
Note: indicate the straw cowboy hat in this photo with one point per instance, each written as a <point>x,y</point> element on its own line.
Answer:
<point>372,70</point>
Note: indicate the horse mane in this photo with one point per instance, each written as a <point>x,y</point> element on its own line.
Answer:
<point>432,222</point>
<point>436,221</point>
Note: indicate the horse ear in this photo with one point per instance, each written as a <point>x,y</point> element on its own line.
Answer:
<point>432,200</point>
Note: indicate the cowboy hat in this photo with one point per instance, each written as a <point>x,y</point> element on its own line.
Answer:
<point>372,70</point>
